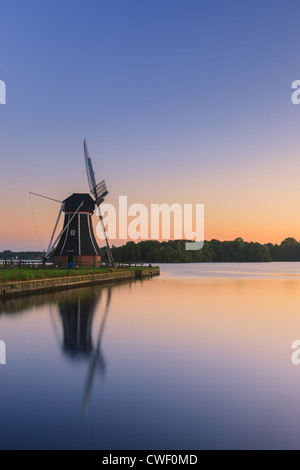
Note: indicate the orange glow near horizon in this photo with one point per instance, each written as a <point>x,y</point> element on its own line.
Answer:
<point>257,208</point>
<point>260,223</point>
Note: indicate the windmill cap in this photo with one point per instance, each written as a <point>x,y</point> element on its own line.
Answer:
<point>72,203</point>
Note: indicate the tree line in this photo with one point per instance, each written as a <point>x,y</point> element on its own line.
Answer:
<point>173,251</point>
<point>213,251</point>
<point>25,255</point>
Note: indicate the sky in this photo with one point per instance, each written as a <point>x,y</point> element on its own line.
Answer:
<point>181,101</point>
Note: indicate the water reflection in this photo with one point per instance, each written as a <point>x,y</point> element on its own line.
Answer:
<point>97,357</point>
<point>190,363</point>
<point>77,313</point>
<point>72,314</point>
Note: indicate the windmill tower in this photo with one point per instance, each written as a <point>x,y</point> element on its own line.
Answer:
<point>76,244</point>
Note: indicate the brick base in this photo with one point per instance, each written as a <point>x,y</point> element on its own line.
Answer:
<point>80,261</point>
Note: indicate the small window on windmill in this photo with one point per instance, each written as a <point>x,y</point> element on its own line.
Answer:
<point>73,233</point>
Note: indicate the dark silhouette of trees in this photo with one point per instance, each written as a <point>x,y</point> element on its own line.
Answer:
<point>288,250</point>
<point>28,255</point>
<point>173,251</point>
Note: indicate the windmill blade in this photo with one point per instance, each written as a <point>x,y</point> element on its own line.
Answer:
<point>54,231</point>
<point>108,249</point>
<point>99,191</point>
<point>45,197</point>
<point>89,167</point>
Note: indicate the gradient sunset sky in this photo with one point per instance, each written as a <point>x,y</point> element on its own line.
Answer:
<point>181,101</point>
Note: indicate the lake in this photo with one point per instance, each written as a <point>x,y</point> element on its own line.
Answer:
<point>198,358</point>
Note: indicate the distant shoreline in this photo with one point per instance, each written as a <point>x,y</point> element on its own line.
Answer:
<point>174,251</point>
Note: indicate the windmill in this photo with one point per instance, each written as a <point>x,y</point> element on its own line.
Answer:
<point>76,243</point>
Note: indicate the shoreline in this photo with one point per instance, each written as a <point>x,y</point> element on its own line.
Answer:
<point>23,288</point>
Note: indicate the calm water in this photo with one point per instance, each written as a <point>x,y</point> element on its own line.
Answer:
<point>198,358</point>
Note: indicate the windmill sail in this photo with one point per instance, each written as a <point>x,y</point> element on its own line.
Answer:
<point>99,192</point>
<point>89,167</point>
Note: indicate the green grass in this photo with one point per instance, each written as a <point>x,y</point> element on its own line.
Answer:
<point>27,274</point>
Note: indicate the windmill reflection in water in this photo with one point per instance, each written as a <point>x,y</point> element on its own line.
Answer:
<point>77,317</point>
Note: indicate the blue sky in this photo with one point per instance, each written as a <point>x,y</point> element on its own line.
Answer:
<point>181,101</point>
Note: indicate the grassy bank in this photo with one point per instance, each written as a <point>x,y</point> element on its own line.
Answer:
<point>29,274</point>
<point>27,281</point>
